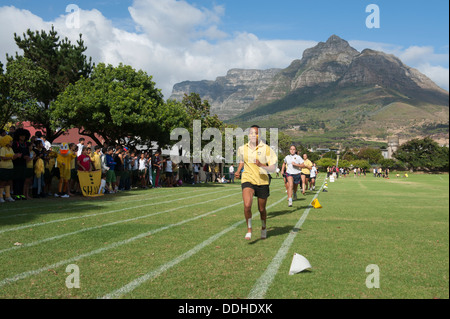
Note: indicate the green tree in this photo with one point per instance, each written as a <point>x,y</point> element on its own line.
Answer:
<point>388,163</point>
<point>120,104</point>
<point>423,154</point>
<point>59,61</point>
<point>361,164</point>
<point>330,154</point>
<point>8,107</point>
<point>18,84</point>
<point>198,109</point>
<point>325,162</point>
<point>372,155</point>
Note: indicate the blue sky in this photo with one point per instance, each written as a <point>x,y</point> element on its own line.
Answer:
<point>201,39</point>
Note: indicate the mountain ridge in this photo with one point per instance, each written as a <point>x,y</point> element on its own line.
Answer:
<point>335,77</point>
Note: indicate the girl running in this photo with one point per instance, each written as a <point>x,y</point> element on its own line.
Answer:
<point>257,159</point>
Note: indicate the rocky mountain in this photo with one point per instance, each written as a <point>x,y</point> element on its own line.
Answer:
<point>332,92</point>
<point>228,95</point>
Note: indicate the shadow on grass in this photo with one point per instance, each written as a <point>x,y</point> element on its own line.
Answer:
<point>277,231</point>
<point>22,212</point>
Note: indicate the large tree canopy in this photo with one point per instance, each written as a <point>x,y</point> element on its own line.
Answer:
<point>120,104</point>
<point>423,154</point>
<point>54,64</point>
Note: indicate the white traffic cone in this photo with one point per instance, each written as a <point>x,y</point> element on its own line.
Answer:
<point>299,264</point>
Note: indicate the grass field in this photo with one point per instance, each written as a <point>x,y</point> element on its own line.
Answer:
<point>188,243</point>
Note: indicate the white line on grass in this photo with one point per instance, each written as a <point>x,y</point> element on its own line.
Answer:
<point>109,224</point>
<point>105,213</point>
<point>88,203</point>
<point>108,200</point>
<point>262,285</point>
<point>155,273</point>
<point>106,248</point>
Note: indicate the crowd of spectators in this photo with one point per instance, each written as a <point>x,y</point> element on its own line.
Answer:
<point>29,170</point>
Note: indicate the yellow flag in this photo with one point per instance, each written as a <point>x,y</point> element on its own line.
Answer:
<point>90,183</point>
<point>316,204</point>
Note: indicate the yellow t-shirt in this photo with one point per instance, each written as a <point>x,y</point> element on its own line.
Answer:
<point>9,153</point>
<point>252,173</point>
<point>30,163</point>
<point>305,170</point>
<point>95,158</point>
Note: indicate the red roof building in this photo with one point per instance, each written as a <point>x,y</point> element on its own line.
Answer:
<point>71,136</point>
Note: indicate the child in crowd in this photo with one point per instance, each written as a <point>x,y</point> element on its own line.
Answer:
<point>6,167</point>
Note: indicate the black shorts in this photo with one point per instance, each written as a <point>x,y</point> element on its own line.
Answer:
<point>6,175</point>
<point>297,178</point>
<point>261,191</point>
<point>306,175</point>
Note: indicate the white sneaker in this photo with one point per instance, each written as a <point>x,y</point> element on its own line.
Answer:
<point>248,236</point>
<point>290,202</point>
<point>65,196</point>
<point>2,200</point>
<point>9,199</point>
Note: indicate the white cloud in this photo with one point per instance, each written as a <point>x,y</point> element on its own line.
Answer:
<point>174,41</point>
<point>438,74</point>
<point>16,21</point>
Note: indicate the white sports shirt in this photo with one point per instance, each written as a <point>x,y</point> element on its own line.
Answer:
<point>290,169</point>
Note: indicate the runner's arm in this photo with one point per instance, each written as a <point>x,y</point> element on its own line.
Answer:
<point>238,171</point>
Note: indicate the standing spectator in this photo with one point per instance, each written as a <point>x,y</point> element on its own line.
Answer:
<point>196,171</point>
<point>96,158</point>
<point>157,165</point>
<point>38,135</point>
<point>142,170</point>
<point>84,161</point>
<point>207,170</point>
<point>12,130</point>
<point>80,146</point>
<point>20,146</point>
<point>47,144</point>
<point>118,169</point>
<point>216,171</point>
<point>50,172</point>
<point>89,145</point>
<point>125,179</point>
<point>169,172</point>
<point>231,173</point>
<point>105,167</point>
<point>39,169</point>
<point>110,174</point>
<point>74,185</point>
<point>64,161</point>
<point>7,156</point>
<point>29,171</point>
<point>134,169</point>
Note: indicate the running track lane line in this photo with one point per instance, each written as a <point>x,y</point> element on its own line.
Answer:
<point>106,202</point>
<point>105,213</point>
<point>155,273</point>
<point>38,242</point>
<point>262,285</point>
<point>101,250</point>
